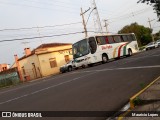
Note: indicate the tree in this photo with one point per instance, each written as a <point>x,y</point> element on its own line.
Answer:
<point>157,36</point>
<point>143,34</point>
<point>155,4</point>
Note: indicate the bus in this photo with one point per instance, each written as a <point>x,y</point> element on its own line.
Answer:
<point>101,48</point>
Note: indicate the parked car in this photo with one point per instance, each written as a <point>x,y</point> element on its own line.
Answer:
<point>67,67</point>
<point>151,45</point>
<point>158,42</point>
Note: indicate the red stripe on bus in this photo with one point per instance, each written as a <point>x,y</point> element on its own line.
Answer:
<point>119,50</point>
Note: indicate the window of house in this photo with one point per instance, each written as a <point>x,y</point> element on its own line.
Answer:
<point>4,68</point>
<point>53,62</point>
<point>67,59</point>
<point>23,70</point>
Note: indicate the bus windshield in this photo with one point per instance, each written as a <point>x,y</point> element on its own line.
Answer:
<point>80,49</point>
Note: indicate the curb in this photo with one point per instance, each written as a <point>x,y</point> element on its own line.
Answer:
<point>135,96</point>
<point>140,92</point>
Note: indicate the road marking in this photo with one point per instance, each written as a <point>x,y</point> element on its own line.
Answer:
<point>144,57</point>
<point>125,68</point>
<point>32,93</point>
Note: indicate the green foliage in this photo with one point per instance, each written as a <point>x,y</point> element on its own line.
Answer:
<point>137,101</point>
<point>142,85</point>
<point>142,33</point>
<point>154,3</point>
<point>157,36</point>
<point>142,48</point>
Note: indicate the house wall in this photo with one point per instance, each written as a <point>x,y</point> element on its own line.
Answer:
<point>59,56</point>
<point>42,62</point>
<point>30,67</point>
<point>4,67</point>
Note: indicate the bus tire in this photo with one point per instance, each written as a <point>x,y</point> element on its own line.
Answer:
<point>129,52</point>
<point>90,65</point>
<point>69,69</point>
<point>83,66</point>
<point>104,58</point>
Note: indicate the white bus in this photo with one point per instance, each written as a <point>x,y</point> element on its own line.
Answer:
<point>101,48</point>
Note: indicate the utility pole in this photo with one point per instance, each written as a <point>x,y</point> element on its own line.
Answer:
<point>151,27</point>
<point>96,18</point>
<point>106,25</point>
<point>84,23</point>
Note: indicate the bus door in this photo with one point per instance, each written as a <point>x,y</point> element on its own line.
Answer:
<point>93,48</point>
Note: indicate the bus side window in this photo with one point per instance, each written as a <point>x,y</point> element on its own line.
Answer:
<point>121,38</point>
<point>125,39</point>
<point>130,38</point>
<point>106,40</point>
<point>117,39</point>
<point>93,45</point>
<point>98,40</point>
<point>101,40</point>
<point>110,40</point>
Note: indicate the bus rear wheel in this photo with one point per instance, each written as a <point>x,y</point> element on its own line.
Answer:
<point>104,58</point>
<point>90,65</point>
<point>129,52</point>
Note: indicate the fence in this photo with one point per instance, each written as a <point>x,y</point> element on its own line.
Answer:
<point>9,77</point>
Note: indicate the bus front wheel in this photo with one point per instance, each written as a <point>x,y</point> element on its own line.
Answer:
<point>104,58</point>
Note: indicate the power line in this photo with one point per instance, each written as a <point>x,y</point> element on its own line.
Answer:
<point>29,38</point>
<point>128,15</point>
<point>59,10</point>
<point>51,3</point>
<point>34,33</point>
<point>12,29</point>
<point>156,27</point>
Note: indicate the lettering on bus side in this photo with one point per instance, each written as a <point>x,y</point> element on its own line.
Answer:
<point>106,47</point>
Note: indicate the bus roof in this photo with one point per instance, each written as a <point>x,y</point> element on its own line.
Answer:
<point>110,34</point>
<point>106,35</point>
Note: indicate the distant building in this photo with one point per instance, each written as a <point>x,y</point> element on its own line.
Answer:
<point>43,61</point>
<point>4,67</point>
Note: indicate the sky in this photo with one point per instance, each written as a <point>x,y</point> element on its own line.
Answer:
<point>36,18</point>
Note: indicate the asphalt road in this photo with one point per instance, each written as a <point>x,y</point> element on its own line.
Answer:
<point>105,87</point>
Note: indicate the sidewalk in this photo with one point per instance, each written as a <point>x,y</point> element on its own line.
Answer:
<point>148,100</point>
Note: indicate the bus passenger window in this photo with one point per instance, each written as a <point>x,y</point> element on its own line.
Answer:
<point>101,40</point>
<point>117,39</point>
<point>98,41</point>
<point>130,38</point>
<point>93,45</point>
<point>110,40</point>
<point>121,38</point>
<point>125,39</point>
